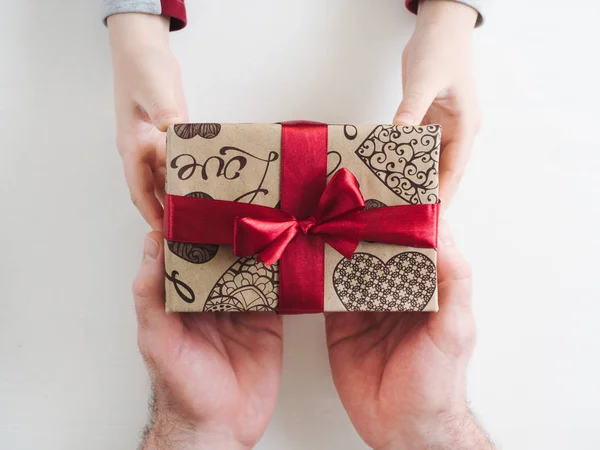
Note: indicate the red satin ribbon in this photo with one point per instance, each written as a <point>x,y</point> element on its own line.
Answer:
<point>311,214</point>
<point>269,238</point>
<point>204,221</point>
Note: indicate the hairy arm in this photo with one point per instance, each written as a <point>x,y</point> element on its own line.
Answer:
<point>455,432</point>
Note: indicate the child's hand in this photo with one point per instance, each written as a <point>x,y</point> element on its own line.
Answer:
<point>438,84</point>
<point>148,98</point>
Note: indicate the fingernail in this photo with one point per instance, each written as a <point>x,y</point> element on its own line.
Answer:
<point>404,118</point>
<point>150,248</point>
<point>445,236</point>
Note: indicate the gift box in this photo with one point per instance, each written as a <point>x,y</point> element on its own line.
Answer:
<point>301,217</point>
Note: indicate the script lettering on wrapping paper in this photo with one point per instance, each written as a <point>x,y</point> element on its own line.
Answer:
<point>229,165</point>
<point>331,157</point>
<point>350,132</point>
<point>183,290</point>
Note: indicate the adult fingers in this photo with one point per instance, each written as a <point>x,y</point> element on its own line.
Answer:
<point>453,161</point>
<point>454,273</point>
<point>453,327</point>
<point>149,285</point>
<point>159,183</point>
<point>452,266</point>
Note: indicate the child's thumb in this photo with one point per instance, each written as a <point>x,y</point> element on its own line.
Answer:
<point>416,101</point>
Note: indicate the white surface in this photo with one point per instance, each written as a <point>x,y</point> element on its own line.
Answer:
<point>527,215</point>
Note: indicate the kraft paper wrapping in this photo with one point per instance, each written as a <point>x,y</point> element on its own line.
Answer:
<point>241,162</point>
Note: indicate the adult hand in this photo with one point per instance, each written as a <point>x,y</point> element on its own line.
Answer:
<point>438,85</point>
<point>148,98</point>
<point>215,377</point>
<point>401,376</point>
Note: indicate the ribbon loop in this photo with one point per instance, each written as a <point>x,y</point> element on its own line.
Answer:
<point>269,238</point>
<point>341,196</point>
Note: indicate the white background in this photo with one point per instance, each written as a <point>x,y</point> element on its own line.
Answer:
<point>527,215</point>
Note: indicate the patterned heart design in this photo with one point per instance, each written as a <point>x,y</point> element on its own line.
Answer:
<point>405,160</point>
<point>373,203</point>
<point>248,285</point>
<point>405,283</point>
<point>204,130</point>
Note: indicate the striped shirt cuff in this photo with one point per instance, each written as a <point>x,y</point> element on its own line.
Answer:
<point>175,9</point>
<point>477,5</point>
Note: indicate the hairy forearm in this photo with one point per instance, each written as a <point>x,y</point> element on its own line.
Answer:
<point>166,430</point>
<point>168,434</point>
<point>455,432</point>
<point>463,433</point>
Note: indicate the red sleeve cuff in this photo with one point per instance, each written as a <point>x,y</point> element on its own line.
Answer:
<point>176,10</point>
<point>412,5</point>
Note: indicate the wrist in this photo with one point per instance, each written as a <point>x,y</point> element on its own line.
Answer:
<point>171,431</point>
<point>174,436</point>
<point>130,32</point>
<point>448,14</point>
<point>448,431</point>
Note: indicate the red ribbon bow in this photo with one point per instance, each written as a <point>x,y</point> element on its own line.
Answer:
<point>332,221</point>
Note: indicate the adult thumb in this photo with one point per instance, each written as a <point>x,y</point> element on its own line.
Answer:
<point>416,101</point>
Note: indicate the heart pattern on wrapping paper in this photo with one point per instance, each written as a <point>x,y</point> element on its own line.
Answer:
<point>406,282</point>
<point>204,130</point>
<point>405,159</point>
<point>248,285</point>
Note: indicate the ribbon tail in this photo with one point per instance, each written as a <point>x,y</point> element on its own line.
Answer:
<point>342,235</point>
<point>346,247</point>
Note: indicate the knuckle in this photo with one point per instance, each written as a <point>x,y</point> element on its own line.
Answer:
<point>144,348</point>
<point>135,198</point>
<point>466,336</point>
<point>451,176</point>
<point>462,337</point>
<point>160,112</point>
<point>139,287</point>
<point>124,144</point>
<point>465,332</point>
<point>176,68</point>
<point>473,120</point>
<point>120,143</point>
<point>455,176</point>
<point>405,52</point>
